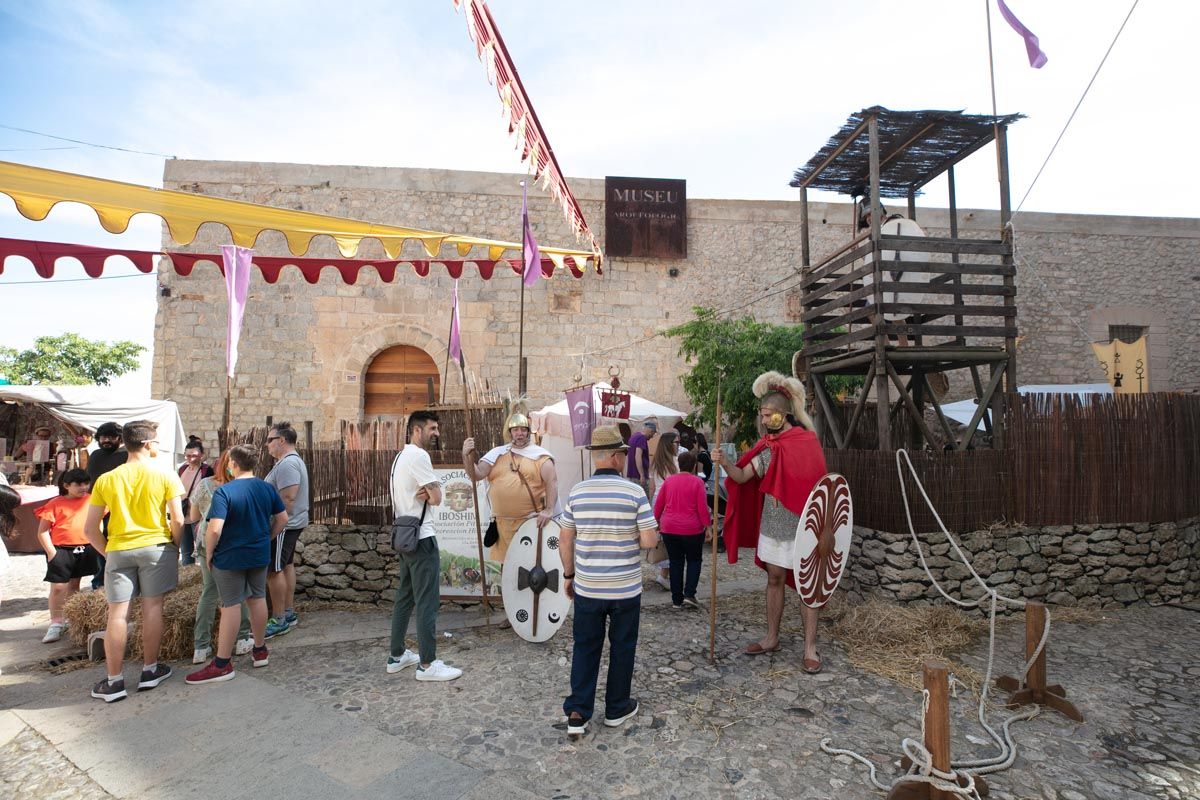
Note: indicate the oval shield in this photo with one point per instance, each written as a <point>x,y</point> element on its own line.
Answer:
<point>823,540</point>
<point>532,585</point>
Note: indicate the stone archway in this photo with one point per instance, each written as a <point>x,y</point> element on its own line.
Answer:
<point>347,391</point>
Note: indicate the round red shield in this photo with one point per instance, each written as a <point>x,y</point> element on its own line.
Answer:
<point>823,540</point>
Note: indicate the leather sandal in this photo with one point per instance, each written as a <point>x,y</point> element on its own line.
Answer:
<point>756,649</point>
<point>811,666</point>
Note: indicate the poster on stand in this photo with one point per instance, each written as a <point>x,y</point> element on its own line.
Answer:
<point>454,521</point>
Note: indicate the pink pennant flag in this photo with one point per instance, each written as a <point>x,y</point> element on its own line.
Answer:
<point>237,262</point>
<point>455,337</point>
<point>529,248</point>
<point>1037,59</point>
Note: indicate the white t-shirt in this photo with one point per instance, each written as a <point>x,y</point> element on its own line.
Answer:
<point>411,470</point>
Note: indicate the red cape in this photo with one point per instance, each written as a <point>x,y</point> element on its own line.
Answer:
<point>797,463</point>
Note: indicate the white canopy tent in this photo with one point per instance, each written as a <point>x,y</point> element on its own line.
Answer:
<point>963,410</point>
<point>91,406</point>
<point>553,424</point>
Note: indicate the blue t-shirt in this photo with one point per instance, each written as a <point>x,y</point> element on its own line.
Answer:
<point>246,505</point>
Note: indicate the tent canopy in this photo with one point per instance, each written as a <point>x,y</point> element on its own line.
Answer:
<point>91,406</point>
<point>963,410</point>
<point>35,191</point>
<point>555,419</point>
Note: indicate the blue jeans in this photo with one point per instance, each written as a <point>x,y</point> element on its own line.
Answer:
<point>681,549</point>
<point>591,616</point>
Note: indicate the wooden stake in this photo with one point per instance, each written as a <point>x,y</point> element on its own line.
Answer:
<point>1033,689</point>
<point>712,600</point>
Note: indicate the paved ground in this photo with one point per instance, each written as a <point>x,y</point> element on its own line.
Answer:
<point>325,720</point>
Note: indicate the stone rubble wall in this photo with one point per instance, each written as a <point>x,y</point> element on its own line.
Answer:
<point>1086,565</point>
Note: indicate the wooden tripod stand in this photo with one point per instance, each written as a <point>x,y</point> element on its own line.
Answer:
<point>1034,690</point>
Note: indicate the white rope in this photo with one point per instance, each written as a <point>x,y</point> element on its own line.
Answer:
<point>922,769</point>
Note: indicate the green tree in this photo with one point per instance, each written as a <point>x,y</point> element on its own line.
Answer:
<point>69,359</point>
<point>736,351</point>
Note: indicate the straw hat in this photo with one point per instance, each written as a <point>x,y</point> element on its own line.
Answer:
<point>607,437</point>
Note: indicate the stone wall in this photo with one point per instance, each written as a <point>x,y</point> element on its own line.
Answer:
<point>305,348</point>
<point>1086,565</point>
<point>352,563</point>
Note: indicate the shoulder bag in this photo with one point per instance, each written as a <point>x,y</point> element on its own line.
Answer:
<point>406,531</point>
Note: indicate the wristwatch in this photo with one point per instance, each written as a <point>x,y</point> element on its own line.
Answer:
<point>570,577</point>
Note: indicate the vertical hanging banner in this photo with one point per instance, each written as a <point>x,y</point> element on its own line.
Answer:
<point>583,414</point>
<point>237,262</point>
<point>614,405</point>
<point>1033,48</point>
<point>529,248</point>
<point>1125,365</point>
<point>455,346</point>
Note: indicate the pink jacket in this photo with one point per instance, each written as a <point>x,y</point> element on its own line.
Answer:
<point>681,506</point>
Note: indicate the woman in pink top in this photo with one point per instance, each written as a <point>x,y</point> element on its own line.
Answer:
<point>681,509</point>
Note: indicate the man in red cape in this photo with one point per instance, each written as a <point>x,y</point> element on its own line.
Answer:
<point>766,493</point>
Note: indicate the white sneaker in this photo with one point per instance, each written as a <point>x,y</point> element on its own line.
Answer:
<point>202,654</point>
<point>54,632</point>
<point>438,671</point>
<point>407,660</point>
<point>242,647</point>
<point>665,583</point>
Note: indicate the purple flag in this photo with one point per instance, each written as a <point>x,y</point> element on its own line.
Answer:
<point>1037,59</point>
<point>237,285</point>
<point>582,413</point>
<point>529,248</point>
<point>455,337</point>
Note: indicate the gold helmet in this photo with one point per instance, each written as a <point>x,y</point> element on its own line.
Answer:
<point>518,417</point>
<point>784,394</point>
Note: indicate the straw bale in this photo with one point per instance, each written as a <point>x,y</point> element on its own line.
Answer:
<point>87,612</point>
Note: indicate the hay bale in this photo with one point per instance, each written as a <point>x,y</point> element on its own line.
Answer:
<point>87,612</point>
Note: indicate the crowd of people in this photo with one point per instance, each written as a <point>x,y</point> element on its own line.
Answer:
<point>132,525</point>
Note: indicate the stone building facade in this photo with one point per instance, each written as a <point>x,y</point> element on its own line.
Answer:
<point>306,348</point>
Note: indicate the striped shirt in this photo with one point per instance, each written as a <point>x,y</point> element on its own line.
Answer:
<point>607,512</point>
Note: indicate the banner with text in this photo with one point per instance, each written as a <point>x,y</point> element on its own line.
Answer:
<point>454,521</point>
<point>582,413</point>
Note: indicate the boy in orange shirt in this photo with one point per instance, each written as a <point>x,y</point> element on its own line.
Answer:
<point>69,556</point>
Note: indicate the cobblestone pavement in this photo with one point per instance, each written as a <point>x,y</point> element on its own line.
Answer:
<point>31,768</point>
<point>744,727</point>
<point>751,727</point>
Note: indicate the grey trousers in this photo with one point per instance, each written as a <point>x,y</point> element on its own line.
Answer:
<point>206,607</point>
<point>419,586</point>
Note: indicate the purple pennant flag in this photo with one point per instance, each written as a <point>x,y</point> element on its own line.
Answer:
<point>582,411</point>
<point>529,248</point>
<point>1037,59</point>
<point>455,337</point>
<point>237,262</point>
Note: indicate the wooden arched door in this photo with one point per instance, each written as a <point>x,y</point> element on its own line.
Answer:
<point>398,381</point>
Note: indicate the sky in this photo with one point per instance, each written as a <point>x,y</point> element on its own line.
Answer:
<point>732,98</point>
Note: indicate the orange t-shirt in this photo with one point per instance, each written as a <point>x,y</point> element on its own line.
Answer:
<point>66,516</point>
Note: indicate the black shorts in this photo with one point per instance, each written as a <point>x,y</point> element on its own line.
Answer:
<point>283,549</point>
<point>72,562</point>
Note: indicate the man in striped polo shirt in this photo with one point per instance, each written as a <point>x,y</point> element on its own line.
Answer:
<point>605,525</point>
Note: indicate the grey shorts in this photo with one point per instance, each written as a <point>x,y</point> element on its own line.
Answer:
<point>237,585</point>
<point>141,572</point>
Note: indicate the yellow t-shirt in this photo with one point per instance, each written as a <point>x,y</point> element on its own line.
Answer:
<point>136,497</point>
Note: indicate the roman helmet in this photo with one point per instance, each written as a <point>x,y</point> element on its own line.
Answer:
<point>785,394</point>
<point>518,417</point>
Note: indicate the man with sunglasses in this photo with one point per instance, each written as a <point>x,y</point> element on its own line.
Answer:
<point>289,476</point>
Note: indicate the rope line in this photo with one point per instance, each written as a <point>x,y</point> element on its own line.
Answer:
<point>88,144</point>
<point>922,769</point>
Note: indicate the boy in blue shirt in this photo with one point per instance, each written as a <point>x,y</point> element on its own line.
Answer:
<point>246,514</point>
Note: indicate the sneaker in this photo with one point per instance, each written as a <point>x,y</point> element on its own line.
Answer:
<point>665,583</point>
<point>242,647</point>
<point>576,725</point>
<point>613,722</point>
<point>690,602</point>
<point>407,660</point>
<point>291,618</point>
<point>211,673</point>
<point>54,632</point>
<point>201,654</point>
<point>153,677</point>
<point>259,656</point>
<point>277,627</point>
<point>438,671</point>
<point>677,606</point>
<point>110,691</point>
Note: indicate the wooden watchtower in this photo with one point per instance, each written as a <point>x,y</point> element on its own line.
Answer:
<point>899,308</point>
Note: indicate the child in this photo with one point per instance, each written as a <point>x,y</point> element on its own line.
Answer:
<point>681,509</point>
<point>69,556</point>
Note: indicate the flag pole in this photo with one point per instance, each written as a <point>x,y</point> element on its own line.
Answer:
<point>487,603</point>
<point>521,325</point>
<point>712,602</point>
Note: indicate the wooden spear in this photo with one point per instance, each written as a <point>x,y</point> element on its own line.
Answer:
<point>469,465</point>
<point>712,601</point>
